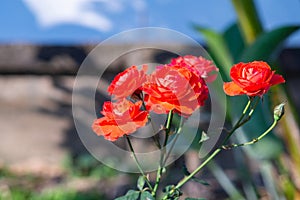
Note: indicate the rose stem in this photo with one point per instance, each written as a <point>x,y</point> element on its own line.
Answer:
<point>163,152</point>
<point>236,126</point>
<point>137,163</point>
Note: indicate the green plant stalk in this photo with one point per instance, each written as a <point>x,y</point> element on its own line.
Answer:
<point>163,152</point>
<point>172,146</point>
<point>138,163</point>
<point>157,181</point>
<point>248,19</point>
<point>173,142</point>
<point>154,138</point>
<point>253,140</point>
<point>237,125</point>
<point>250,113</point>
<point>187,178</point>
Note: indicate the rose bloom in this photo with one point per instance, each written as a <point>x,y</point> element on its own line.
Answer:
<point>175,88</point>
<point>127,82</point>
<point>253,79</point>
<point>121,118</point>
<point>199,65</point>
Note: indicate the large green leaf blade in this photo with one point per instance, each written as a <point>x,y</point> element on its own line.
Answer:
<point>130,195</point>
<point>266,43</point>
<point>248,19</point>
<point>140,183</point>
<point>217,48</point>
<point>234,40</point>
<point>145,195</point>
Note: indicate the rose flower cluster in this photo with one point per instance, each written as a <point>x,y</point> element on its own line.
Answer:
<point>178,86</point>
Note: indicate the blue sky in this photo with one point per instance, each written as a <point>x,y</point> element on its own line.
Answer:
<point>88,21</point>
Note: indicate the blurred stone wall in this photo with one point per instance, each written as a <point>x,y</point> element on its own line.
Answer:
<point>36,125</point>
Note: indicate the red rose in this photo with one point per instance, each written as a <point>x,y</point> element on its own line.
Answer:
<point>199,65</point>
<point>175,88</point>
<point>253,79</point>
<point>121,118</point>
<point>127,82</point>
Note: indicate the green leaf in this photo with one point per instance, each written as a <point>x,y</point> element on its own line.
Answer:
<point>266,43</point>
<point>234,41</point>
<point>248,19</point>
<point>175,194</point>
<point>218,48</point>
<point>130,195</point>
<point>204,137</point>
<point>187,173</point>
<point>185,170</point>
<point>202,182</point>
<point>141,183</point>
<point>145,195</point>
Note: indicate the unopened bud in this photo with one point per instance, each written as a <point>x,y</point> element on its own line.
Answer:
<point>279,111</point>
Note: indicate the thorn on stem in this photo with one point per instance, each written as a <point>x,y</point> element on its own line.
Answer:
<point>255,140</point>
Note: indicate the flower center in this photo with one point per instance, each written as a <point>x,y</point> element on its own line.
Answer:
<point>251,74</point>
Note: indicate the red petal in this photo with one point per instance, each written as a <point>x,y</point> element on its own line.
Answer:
<point>232,89</point>
<point>276,79</point>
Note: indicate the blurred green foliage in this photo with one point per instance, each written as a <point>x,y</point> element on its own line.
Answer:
<point>57,194</point>
<point>247,41</point>
<point>85,165</point>
<point>28,186</point>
